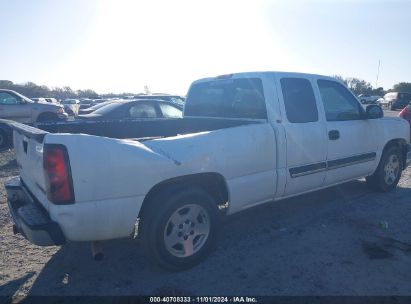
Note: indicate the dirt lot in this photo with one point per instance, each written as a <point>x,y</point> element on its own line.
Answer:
<point>326,243</point>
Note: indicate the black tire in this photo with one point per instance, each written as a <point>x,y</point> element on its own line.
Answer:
<point>380,180</point>
<point>47,117</point>
<point>5,140</point>
<point>391,107</point>
<point>157,221</point>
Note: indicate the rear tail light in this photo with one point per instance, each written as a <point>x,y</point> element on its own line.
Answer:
<point>59,185</point>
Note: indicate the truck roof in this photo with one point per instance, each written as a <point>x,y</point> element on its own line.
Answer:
<point>261,73</point>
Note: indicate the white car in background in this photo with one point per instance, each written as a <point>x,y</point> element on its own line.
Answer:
<point>45,100</point>
<point>368,99</point>
<point>71,106</point>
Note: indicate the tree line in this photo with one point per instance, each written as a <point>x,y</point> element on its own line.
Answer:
<point>359,86</point>
<point>30,89</point>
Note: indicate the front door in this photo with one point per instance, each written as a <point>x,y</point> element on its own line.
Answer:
<point>352,142</point>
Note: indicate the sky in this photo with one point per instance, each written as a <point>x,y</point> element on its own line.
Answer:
<point>124,45</point>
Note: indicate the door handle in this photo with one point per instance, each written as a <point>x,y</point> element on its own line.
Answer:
<point>333,134</point>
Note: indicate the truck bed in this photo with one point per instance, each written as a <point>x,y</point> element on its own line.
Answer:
<point>141,129</point>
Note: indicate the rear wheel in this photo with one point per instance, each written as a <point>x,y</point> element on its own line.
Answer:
<point>179,230</point>
<point>388,172</point>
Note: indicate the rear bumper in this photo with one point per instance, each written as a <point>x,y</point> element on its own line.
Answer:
<point>30,218</point>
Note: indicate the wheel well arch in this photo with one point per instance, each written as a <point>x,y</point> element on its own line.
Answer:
<point>400,143</point>
<point>212,182</point>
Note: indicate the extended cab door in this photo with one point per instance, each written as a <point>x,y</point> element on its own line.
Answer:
<point>14,108</point>
<point>305,132</point>
<point>352,142</point>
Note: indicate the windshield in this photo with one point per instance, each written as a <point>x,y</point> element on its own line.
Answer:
<point>231,98</point>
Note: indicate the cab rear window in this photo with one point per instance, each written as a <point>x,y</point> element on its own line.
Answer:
<point>230,98</point>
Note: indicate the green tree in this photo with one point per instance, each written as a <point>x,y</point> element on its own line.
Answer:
<point>378,91</point>
<point>87,94</point>
<point>404,87</point>
<point>359,86</point>
<point>356,85</point>
<point>340,78</point>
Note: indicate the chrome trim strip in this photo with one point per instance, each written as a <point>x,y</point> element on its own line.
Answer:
<point>335,164</point>
<point>307,172</point>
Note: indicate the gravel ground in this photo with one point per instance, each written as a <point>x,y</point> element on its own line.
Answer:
<point>326,243</point>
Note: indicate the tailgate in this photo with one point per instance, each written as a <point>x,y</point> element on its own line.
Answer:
<point>28,147</point>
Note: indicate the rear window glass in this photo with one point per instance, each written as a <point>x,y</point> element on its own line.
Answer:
<point>404,96</point>
<point>231,98</point>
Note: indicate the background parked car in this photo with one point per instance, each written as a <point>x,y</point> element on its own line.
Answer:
<point>368,99</point>
<point>86,103</point>
<point>141,108</point>
<point>175,99</point>
<point>15,106</point>
<point>38,99</point>
<point>45,99</point>
<point>71,106</point>
<point>51,100</point>
<point>395,100</point>
<point>95,107</point>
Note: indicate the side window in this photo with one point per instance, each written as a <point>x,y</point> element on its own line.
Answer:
<point>170,111</point>
<point>339,103</point>
<point>299,100</point>
<point>6,98</point>
<point>143,110</point>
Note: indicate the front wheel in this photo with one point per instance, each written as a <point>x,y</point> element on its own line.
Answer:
<point>388,172</point>
<point>179,230</point>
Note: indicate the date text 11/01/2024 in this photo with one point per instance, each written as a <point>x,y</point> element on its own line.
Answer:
<point>187,299</point>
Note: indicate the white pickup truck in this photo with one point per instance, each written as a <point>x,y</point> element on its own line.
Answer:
<point>245,139</point>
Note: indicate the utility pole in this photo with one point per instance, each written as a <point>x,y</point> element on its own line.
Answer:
<point>378,74</point>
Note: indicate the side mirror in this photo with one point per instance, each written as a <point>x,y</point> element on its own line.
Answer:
<point>374,112</point>
<point>22,101</point>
